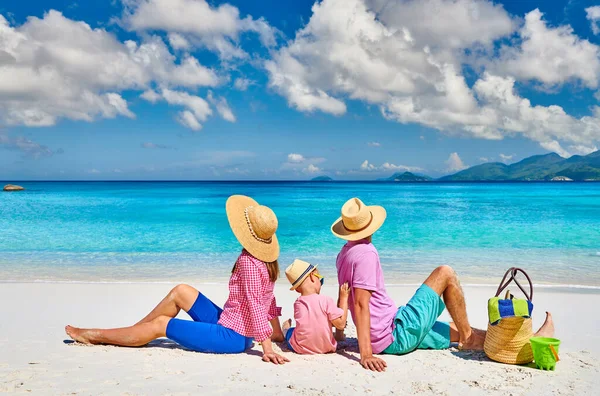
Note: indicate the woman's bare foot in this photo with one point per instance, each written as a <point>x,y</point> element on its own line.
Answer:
<point>77,334</point>
<point>474,342</point>
<point>547,329</point>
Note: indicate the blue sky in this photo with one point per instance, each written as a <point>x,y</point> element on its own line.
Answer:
<point>354,89</point>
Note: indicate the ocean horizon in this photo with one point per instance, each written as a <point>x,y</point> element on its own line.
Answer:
<point>177,231</point>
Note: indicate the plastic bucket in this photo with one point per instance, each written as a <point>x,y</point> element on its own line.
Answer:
<point>545,352</point>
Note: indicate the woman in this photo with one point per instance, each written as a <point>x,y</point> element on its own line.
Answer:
<point>247,313</point>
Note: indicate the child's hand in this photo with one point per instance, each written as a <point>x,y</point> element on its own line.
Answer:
<point>344,291</point>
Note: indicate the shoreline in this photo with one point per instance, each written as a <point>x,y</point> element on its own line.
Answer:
<point>573,288</point>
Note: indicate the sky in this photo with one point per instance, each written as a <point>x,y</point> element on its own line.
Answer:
<point>290,90</point>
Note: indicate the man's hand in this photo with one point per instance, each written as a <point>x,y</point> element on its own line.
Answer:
<point>373,363</point>
<point>344,291</point>
<point>274,358</point>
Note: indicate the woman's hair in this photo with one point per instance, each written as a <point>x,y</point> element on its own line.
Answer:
<point>272,268</point>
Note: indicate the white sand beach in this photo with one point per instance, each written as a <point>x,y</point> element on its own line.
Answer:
<point>35,359</point>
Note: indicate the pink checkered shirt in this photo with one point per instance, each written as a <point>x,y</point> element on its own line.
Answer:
<point>251,303</point>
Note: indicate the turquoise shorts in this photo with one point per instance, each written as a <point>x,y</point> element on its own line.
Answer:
<point>416,325</point>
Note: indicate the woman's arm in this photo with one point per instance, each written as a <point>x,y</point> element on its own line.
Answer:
<point>254,288</point>
<point>270,356</point>
<point>277,335</point>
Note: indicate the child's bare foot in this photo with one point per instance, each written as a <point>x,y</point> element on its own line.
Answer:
<point>286,326</point>
<point>474,342</point>
<point>547,329</point>
<point>77,334</point>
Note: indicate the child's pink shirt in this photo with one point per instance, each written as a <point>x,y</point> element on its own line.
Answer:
<point>313,333</point>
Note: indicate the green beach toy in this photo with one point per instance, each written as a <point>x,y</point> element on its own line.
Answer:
<point>545,352</point>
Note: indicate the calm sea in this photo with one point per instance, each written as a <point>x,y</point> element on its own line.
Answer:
<point>178,231</point>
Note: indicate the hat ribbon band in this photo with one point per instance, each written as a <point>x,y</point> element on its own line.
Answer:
<point>362,228</point>
<point>252,229</point>
<point>309,269</point>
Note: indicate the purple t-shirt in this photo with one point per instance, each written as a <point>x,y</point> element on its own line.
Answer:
<point>358,264</point>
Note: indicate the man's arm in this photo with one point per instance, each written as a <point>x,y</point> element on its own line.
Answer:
<point>363,328</point>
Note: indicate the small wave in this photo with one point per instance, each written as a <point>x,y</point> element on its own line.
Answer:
<point>535,285</point>
<point>225,282</point>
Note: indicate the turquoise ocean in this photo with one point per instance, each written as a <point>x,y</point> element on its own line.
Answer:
<point>178,231</point>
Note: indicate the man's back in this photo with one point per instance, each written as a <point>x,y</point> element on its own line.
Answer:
<point>358,264</point>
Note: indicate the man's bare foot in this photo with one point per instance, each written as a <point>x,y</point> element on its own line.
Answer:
<point>547,329</point>
<point>474,342</point>
<point>77,334</point>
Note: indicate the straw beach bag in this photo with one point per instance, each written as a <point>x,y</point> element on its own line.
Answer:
<point>507,341</point>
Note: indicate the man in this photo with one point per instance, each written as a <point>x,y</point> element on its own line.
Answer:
<point>382,327</point>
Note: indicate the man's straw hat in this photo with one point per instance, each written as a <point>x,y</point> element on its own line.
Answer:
<point>358,220</point>
<point>254,227</point>
<point>298,271</point>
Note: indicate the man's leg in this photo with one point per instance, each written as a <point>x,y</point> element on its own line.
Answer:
<point>444,282</point>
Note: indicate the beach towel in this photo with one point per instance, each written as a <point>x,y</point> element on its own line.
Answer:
<point>499,309</point>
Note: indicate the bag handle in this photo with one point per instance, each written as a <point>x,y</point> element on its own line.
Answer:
<point>513,273</point>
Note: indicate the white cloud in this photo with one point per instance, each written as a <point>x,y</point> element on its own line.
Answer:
<point>242,84</point>
<point>454,163</point>
<point>94,171</point>
<point>552,56</point>
<point>311,169</point>
<point>555,147</point>
<point>407,58</point>
<point>484,159</point>
<point>393,167</point>
<point>593,15</point>
<point>506,158</point>
<point>198,23</point>
<point>151,96</point>
<point>374,144</point>
<point>222,107</point>
<point>295,158</point>
<point>178,42</point>
<point>366,166</point>
<point>197,109</point>
<point>54,67</point>
<point>582,150</point>
<point>188,120</point>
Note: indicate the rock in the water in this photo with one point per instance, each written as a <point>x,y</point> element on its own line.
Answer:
<point>12,187</point>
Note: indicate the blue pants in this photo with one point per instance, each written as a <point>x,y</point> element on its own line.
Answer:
<point>204,334</point>
<point>288,336</point>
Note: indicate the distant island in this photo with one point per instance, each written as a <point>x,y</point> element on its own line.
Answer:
<point>322,179</point>
<point>406,177</point>
<point>548,167</point>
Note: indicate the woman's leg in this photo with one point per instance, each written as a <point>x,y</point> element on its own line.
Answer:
<point>180,297</point>
<point>136,335</point>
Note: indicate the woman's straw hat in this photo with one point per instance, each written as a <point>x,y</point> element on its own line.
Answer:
<point>358,220</point>
<point>254,227</point>
<point>298,271</point>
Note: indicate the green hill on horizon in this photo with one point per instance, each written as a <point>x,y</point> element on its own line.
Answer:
<point>536,168</point>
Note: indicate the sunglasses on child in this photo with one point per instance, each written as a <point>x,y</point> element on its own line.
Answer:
<point>319,276</point>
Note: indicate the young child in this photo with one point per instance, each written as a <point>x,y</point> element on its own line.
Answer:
<point>315,314</point>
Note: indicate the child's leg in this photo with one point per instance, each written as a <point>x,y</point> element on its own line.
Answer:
<point>286,326</point>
